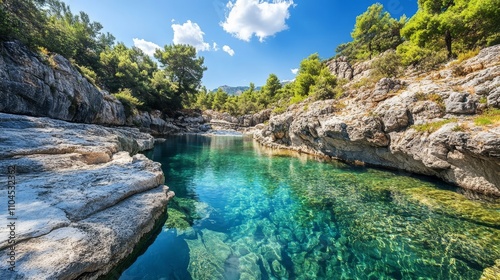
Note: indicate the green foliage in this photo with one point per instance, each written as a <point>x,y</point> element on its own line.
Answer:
<point>308,74</point>
<point>128,100</point>
<point>466,55</point>
<point>279,110</point>
<point>88,73</point>
<point>375,31</point>
<point>219,100</point>
<point>125,96</point>
<point>297,99</point>
<point>182,66</point>
<point>270,90</point>
<point>325,87</point>
<point>50,26</point>
<point>425,59</point>
<point>453,25</point>
<point>389,64</point>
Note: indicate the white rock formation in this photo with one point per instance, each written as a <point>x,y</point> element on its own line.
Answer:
<point>82,202</point>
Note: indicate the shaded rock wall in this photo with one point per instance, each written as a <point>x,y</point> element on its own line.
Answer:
<point>379,125</point>
<point>32,85</point>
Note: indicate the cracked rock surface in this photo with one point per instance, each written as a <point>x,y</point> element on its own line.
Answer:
<point>82,201</point>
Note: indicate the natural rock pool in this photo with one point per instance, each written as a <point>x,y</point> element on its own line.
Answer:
<point>242,212</point>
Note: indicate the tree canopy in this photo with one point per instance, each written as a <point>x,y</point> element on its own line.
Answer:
<point>454,25</point>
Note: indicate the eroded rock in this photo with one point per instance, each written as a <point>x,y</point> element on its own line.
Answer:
<point>84,199</point>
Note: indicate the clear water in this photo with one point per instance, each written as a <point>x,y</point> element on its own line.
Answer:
<point>242,212</point>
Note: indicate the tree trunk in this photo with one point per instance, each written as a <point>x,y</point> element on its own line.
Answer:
<point>448,39</point>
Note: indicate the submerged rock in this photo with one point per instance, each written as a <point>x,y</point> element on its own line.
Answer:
<point>82,201</point>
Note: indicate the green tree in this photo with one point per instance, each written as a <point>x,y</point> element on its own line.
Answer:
<point>182,67</point>
<point>325,85</point>
<point>163,96</point>
<point>23,20</point>
<point>307,76</point>
<point>375,31</point>
<point>219,100</point>
<point>270,89</point>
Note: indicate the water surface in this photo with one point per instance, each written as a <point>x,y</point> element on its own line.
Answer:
<point>241,212</point>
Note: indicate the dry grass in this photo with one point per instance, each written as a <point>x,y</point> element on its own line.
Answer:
<point>488,117</point>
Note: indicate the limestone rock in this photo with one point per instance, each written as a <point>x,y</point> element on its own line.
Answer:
<point>341,68</point>
<point>384,87</point>
<point>460,103</point>
<point>494,98</point>
<point>89,199</point>
<point>30,86</point>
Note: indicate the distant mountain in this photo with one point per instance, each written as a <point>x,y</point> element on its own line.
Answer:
<point>234,90</point>
<point>240,89</point>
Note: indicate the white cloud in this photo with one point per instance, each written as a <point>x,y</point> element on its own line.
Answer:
<point>190,33</point>
<point>228,49</point>
<point>249,17</point>
<point>295,71</point>
<point>215,47</point>
<point>148,48</point>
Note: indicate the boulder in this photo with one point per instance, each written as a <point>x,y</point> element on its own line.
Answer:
<point>460,103</point>
<point>341,68</point>
<point>494,98</point>
<point>384,87</point>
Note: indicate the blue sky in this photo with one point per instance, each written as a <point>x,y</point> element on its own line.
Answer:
<point>242,41</point>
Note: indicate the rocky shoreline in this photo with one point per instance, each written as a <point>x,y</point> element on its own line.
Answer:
<point>422,124</point>
<point>83,200</point>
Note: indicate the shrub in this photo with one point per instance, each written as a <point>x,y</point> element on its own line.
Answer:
<point>88,73</point>
<point>129,101</point>
<point>279,110</point>
<point>297,98</point>
<point>488,117</point>
<point>460,128</point>
<point>432,61</point>
<point>389,64</point>
<point>466,55</point>
<point>423,59</point>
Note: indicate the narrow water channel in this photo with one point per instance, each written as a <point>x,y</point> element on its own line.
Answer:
<point>241,212</point>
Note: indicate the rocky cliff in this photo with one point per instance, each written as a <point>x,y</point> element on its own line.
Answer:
<point>426,124</point>
<point>43,86</point>
<point>83,200</point>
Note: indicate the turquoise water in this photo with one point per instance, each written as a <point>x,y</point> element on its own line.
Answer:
<point>244,212</point>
